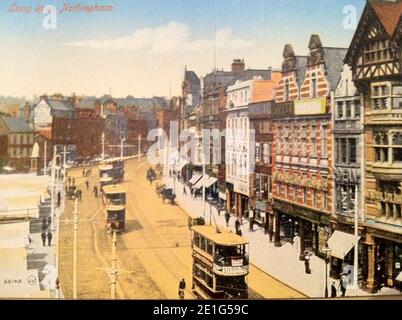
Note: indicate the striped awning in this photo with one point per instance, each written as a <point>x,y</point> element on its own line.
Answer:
<point>195,179</point>
<point>210,181</point>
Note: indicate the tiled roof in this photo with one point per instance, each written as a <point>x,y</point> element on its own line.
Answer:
<point>227,78</point>
<point>45,132</point>
<point>334,64</point>
<point>388,13</point>
<point>60,105</point>
<point>191,77</point>
<point>15,125</point>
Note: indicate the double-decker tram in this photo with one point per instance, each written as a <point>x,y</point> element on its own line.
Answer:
<point>114,202</point>
<point>113,167</point>
<point>105,181</point>
<point>220,263</point>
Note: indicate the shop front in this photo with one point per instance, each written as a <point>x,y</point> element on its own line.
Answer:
<point>306,229</point>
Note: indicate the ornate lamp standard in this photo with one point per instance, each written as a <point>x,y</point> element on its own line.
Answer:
<point>327,251</point>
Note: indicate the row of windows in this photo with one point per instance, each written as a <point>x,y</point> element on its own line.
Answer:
<point>346,150</point>
<point>238,97</point>
<point>22,139</point>
<point>263,153</point>
<point>386,96</point>
<point>313,87</point>
<point>346,199</point>
<point>348,109</point>
<point>20,152</point>
<point>262,186</point>
<point>291,193</point>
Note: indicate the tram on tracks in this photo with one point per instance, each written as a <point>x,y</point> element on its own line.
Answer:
<point>114,202</point>
<point>105,181</point>
<point>220,263</point>
<point>113,167</point>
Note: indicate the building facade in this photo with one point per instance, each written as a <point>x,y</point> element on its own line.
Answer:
<point>348,160</point>
<point>303,169</point>
<point>17,140</point>
<point>375,59</point>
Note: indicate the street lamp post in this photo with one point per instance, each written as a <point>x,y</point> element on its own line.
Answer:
<point>122,146</point>
<point>139,146</point>
<point>75,249</point>
<point>327,251</point>
<point>113,268</point>
<point>103,146</point>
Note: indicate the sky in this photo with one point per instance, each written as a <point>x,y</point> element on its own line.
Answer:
<point>141,48</point>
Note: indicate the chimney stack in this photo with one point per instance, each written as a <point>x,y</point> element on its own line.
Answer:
<point>238,65</point>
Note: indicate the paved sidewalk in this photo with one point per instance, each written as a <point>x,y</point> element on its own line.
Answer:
<point>281,263</point>
<point>44,258</point>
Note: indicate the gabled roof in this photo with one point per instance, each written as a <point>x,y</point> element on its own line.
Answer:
<point>15,125</point>
<point>334,64</point>
<point>388,13</point>
<point>191,77</point>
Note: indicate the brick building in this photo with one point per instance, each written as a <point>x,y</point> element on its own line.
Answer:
<point>303,147</point>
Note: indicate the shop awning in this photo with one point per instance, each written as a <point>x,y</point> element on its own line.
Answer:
<point>222,195</point>
<point>194,179</point>
<point>399,277</point>
<point>180,165</point>
<point>341,243</point>
<point>210,182</point>
<point>201,182</point>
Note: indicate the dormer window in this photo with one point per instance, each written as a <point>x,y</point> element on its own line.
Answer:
<point>314,85</point>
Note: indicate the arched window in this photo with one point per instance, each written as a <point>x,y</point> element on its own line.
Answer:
<point>314,85</point>
<point>287,90</point>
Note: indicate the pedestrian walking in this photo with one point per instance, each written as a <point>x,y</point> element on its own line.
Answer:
<point>184,191</point>
<point>79,194</point>
<point>251,219</point>
<point>73,181</point>
<point>192,192</point>
<point>58,199</point>
<point>182,287</point>
<point>49,238</point>
<point>307,269</point>
<point>87,184</point>
<point>69,180</point>
<point>237,225</point>
<point>333,290</point>
<point>43,236</point>
<point>227,218</point>
<point>342,285</point>
<point>83,172</point>
<point>95,190</point>
<point>44,224</point>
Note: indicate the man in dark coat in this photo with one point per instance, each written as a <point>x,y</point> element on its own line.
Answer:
<point>43,236</point>
<point>237,225</point>
<point>44,224</point>
<point>58,199</point>
<point>87,184</point>
<point>182,287</point>
<point>49,238</point>
<point>307,264</point>
<point>227,218</point>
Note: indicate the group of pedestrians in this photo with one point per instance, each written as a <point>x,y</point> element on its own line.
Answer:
<point>46,233</point>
